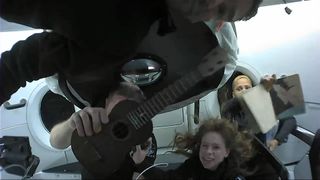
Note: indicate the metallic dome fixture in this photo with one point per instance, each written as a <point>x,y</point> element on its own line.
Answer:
<point>143,70</point>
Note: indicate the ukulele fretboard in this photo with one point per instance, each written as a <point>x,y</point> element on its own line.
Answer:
<point>147,110</point>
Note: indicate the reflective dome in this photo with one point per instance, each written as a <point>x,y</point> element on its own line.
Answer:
<point>143,70</point>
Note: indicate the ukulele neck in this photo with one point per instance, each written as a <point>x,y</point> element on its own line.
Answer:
<point>147,110</point>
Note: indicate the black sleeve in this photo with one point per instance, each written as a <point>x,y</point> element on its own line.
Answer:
<point>40,55</point>
<point>181,173</point>
<point>286,126</point>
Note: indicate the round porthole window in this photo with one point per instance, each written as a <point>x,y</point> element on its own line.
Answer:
<point>44,110</point>
<point>54,109</point>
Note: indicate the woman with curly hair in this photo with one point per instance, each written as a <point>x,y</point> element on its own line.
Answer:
<point>217,151</point>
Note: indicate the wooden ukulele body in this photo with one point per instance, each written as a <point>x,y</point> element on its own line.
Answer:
<point>103,153</point>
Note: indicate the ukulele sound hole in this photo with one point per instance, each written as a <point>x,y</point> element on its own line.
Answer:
<point>120,130</point>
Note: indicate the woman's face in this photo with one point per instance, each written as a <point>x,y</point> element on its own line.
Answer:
<point>240,86</point>
<point>212,150</point>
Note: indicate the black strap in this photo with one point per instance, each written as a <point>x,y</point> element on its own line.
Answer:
<point>196,112</point>
<point>314,156</point>
<point>66,91</point>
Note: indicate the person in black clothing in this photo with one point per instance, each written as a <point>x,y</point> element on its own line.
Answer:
<point>89,41</point>
<point>218,151</point>
<point>232,110</point>
<point>89,120</point>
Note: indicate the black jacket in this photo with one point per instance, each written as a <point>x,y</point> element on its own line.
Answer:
<point>94,25</point>
<point>193,169</point>
<point>90,41</point>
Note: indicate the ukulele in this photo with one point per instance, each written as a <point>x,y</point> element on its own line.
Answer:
<point>130,123</point>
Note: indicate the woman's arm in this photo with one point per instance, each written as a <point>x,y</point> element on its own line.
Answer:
<point>286,126</point>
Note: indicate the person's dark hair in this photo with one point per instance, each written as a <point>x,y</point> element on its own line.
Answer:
<point>129,90</point>
<point>253,11</point>
<point>239,143</point>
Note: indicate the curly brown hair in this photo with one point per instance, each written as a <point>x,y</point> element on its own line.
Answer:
<point>239,143</point>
